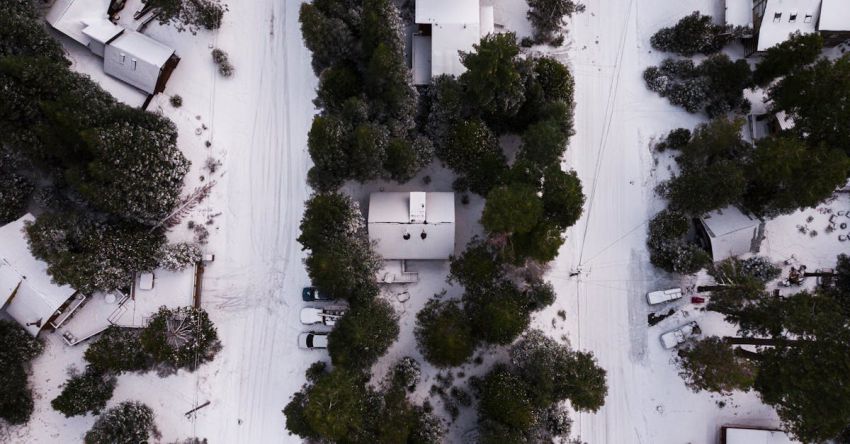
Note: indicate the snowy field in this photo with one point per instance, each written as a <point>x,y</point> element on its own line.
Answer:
<point>257,123</point>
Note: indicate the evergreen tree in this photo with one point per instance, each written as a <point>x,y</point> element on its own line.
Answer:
<point>85,393</point>
<point>17,349</point>
<point>667,248</point>
<point>189,14</point>
<point>497,314</point>
<point>473,151</point>
<point>512,209</point>
<point>543,143</point>
<point>117,350</point>
<point>693,34</point>
<point>562,197</point>
<point>336,403</point>
<point>787,56</point>
<point>547,18</point>
<point>15,193</point>
<point>478,267</point>
<point>491,81</point>
<point>444,334</point>
<point>330,39</point>
<point>363,335</point>
<point>817,98</point>
<point>128,422</point>
<point>368,151</point>
<point>22,34</point>
<point>93,256</point>
<point>180,338</point>
<point>503,399</point>
<point>712,364</point>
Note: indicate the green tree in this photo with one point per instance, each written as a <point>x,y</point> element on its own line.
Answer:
<point>180,338</point>
<point>491,81</point>
<point>817,98</point>
<point>17,350</point>
<point>497,314</point>
<point>667,248</point>
<point>336,84</point>
<point>336,403</point>
<point>562,197</point>
<point>117,350</point>
<point>786,175</point>
<point>478,267</point>
<point>693,34</point>
<point>712,364</point>
<point>368,151</point>
<point>363,335</point>
<point>15,193</point>
<point>503,398</point>
<point>473,151</point>
<point>698,191</point>
<point>543,143</point>
<point>512,209</point>
<point>547,18</point>
<point>793,53</point>
<point>328,145</point>
<point>127,422</point>
<point>85,393</point>
<point>444,334</point>
<point>189,15</point>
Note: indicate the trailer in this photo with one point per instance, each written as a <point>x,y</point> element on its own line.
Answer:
<point>661,296</point>
<point>326,316</point>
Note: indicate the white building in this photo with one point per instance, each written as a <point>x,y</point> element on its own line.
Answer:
<point>739,13</point>
<point>27,293</point>
<point>834,24</point>
<point>775,20</point>
<point>744,435</point>
<point>730,232</point>
<point>446,27</point>
<point>127,55</point>
<point>412,226</point>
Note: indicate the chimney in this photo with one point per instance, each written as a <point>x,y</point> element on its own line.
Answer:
<point>417,207</point>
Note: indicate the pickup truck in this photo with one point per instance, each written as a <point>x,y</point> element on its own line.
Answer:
<point>327,316</point>
<point>661,296</point>
<point>675,337</point>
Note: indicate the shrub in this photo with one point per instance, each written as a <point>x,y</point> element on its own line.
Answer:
<point>674,140</point>
<point>189,15</point>
<point>180,338</point>
<point>128,422</point>
<point>222,60</point>
<point>176,257</point>
<point>117,350</point>
<point>85,393</point>
<point>693,34</point>
<point>444,334</point>
<point>176,101</point>
<point>667,248</point>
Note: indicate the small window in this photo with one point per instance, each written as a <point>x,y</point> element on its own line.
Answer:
<point>134,64</point>
<point>777,16</point>
<point>123,58</point>
<point>792,18</point>
<point>808,18</point>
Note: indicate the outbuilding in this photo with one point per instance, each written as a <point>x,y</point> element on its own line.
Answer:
<point>775,20</point>
<point>27,293</point>
<point>729,232</point>
<point>412,225</point>
<point>749,435</point>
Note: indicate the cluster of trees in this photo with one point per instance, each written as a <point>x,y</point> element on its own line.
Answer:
<point>799,363</point>
<point>547,19</point>
<point>189,15</point>
<point>174,339</point>
<point>17,350</point>
<point>129,421</point>
<point>715,86</point>
<point>522,401</point>
<point>114,171</point>
<point>693,34</point>
<point>340,406</point>
<point>366,128</point>
<point>500,93</point>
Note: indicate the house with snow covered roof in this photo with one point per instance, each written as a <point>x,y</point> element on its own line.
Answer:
<point>410,226</point>
<point>834,24</point>
<point>445,28</point>
<point>729,232</point>
<point>129,56</point>
<point>27,293</point>
<point>775,20</point>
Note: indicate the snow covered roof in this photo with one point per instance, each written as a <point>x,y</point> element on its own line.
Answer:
<point>447,11</point>
<point>70,16</point>
<point>101,30</point>
<point>756,436</point>
<point>784,17</point>
<point>395,228</point>
<point>136,59</point>
<point>731,232</point>
<point>35,297</point>
<point>834,16</point>
<point>739,13</point>
<point>727,220</point>
<point>456,25</point>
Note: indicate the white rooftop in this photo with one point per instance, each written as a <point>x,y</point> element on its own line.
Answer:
<point>755,436</point>
<point>785,17</point>
<point>34,297</point>
<point>397,237</point>
<point>101,30</point>
<point>70,16</point>
<point>136,59</point>
<point>456,25</point>
<point>728,220</point>
<point>447,11</point>
<point>142,47</point>
<point>739,13</point>
<point>834,16</point>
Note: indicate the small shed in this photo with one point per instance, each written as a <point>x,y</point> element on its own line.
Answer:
<point>729,232</point>
<point>137,59</point>
<point>747,435</point>
<point>834,23</point>
<point>27,293</point>
<point>412,226</point>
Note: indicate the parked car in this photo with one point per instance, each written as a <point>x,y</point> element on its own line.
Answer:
<point>327,316</point>
<point>310,294</point>
<point>661,296</point>
<point>313,340</point>
<point>675,337</point>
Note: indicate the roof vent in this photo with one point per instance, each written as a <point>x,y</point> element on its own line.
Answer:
<point>777,16</point>
<point>417,207</point>
<point>423,235</point>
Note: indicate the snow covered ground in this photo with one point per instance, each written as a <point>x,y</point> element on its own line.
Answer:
<point>257,123</point>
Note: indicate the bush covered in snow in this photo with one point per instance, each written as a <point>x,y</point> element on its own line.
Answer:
<point>90,255</point>
<point>674,140</point>
<point>189,15</point>
<point>17,349</point>
<point>118,350</point>
<point>128,422</point>
<point>176,257</point>
<point>406,373</point>
<point>222,60</point>
<point>444,333</point>
<point>547,18</point>
<point>693,34</point>
<point>180,338</point>
<point>85,393</point>
<point>668,249</point>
